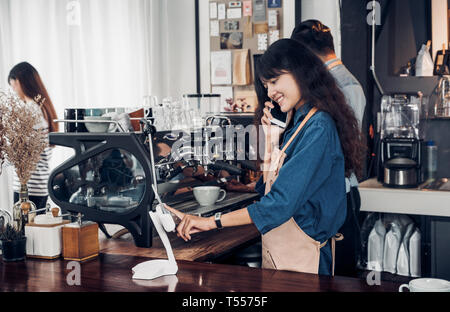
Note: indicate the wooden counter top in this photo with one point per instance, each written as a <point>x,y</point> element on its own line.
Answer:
<point>204,246</point>
<point>111,273</point>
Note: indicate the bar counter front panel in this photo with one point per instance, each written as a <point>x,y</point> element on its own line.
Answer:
<point>112,273</point>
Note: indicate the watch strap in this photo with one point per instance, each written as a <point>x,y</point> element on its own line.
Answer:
<point>217,220</point>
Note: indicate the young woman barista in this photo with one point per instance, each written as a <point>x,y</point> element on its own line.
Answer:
<point>26,82</point>
<point>304,200</point>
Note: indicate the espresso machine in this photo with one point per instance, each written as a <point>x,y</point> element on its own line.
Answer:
<point>401,145</point>
<point>109,179</point>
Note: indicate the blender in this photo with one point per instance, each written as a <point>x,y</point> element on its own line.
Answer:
<point>401,145</point>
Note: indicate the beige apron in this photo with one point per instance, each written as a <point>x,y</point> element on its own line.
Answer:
<point>287,247</point>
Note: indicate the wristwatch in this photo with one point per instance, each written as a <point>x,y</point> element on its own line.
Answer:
<point>217,220</point>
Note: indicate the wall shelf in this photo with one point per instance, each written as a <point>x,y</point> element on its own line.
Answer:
<point>411,84</point>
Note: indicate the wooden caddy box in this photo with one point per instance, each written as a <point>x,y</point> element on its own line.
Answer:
<point>80,243</point>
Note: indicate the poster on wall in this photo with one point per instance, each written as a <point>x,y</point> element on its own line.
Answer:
<point>213,10</point>
<point>273,18</point>
<point>259,10</point>
<point>231,40</point>
<point>262,42</point>
<point>221,11</point>
<point>231,25</point>
<point>214,28</point>
<point>221,67</point>
<point>274,3</point>
<point>234,13</point>
<point>247,8</point>
<point>274,35</point>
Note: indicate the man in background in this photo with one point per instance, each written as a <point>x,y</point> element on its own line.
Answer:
<point>318,38</point>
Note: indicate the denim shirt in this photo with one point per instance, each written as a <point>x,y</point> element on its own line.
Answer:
<point>310,186</point>
<point>354,95</point>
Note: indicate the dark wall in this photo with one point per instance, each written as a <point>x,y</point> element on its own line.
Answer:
<point>405,26</point>
<point>355,37</point>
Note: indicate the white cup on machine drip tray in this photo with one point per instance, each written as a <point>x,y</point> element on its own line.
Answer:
<point>208,195</point>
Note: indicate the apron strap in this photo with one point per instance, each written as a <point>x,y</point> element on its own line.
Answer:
<point>334,64</point>
<point>334,239</point>
<point>310,114</point>
<point>266,166</point>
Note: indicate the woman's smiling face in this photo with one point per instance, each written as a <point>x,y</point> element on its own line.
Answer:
<point>284,90</point>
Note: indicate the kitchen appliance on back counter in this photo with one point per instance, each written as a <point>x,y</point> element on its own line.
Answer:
<point>401,143</point>
<point>109,179</point>
<point>440,99</point>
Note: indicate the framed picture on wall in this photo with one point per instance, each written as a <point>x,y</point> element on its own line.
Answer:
<point>221,67</point>
<point>231,40</point>
<point>274,3</point>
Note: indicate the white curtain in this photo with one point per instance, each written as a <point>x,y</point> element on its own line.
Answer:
<point>99,53</point>
<point>88,52</point>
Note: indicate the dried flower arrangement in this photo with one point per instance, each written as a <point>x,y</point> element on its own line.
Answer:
<point>2,140</point>
<point>21,138</point>
<point>9,234</point>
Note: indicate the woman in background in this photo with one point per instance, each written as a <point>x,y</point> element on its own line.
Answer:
<point>26,82</point>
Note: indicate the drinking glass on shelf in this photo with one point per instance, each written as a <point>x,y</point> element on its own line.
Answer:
<point>192,104</point>
<point>148,103</point>
<point>176,113</point>
<point>158,118</point>
<point>167,107</point>
<point>187,113</point>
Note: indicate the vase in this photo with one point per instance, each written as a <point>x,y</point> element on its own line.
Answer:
<point>22,209</point>
<point>14,250</point>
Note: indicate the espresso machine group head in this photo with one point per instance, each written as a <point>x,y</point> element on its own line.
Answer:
<point>401,145</point>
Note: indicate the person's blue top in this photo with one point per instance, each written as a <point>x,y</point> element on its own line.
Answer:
<point>310,186</point>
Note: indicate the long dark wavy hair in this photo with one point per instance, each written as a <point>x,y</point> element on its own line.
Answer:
<point>33,87</point>
<point>318,87</point>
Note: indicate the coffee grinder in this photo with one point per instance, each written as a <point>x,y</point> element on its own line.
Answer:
<point>401,145</point>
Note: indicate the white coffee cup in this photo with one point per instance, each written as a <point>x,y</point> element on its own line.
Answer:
<point>426,285</point>
<point>208,195</point>
<point>100,124</point>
